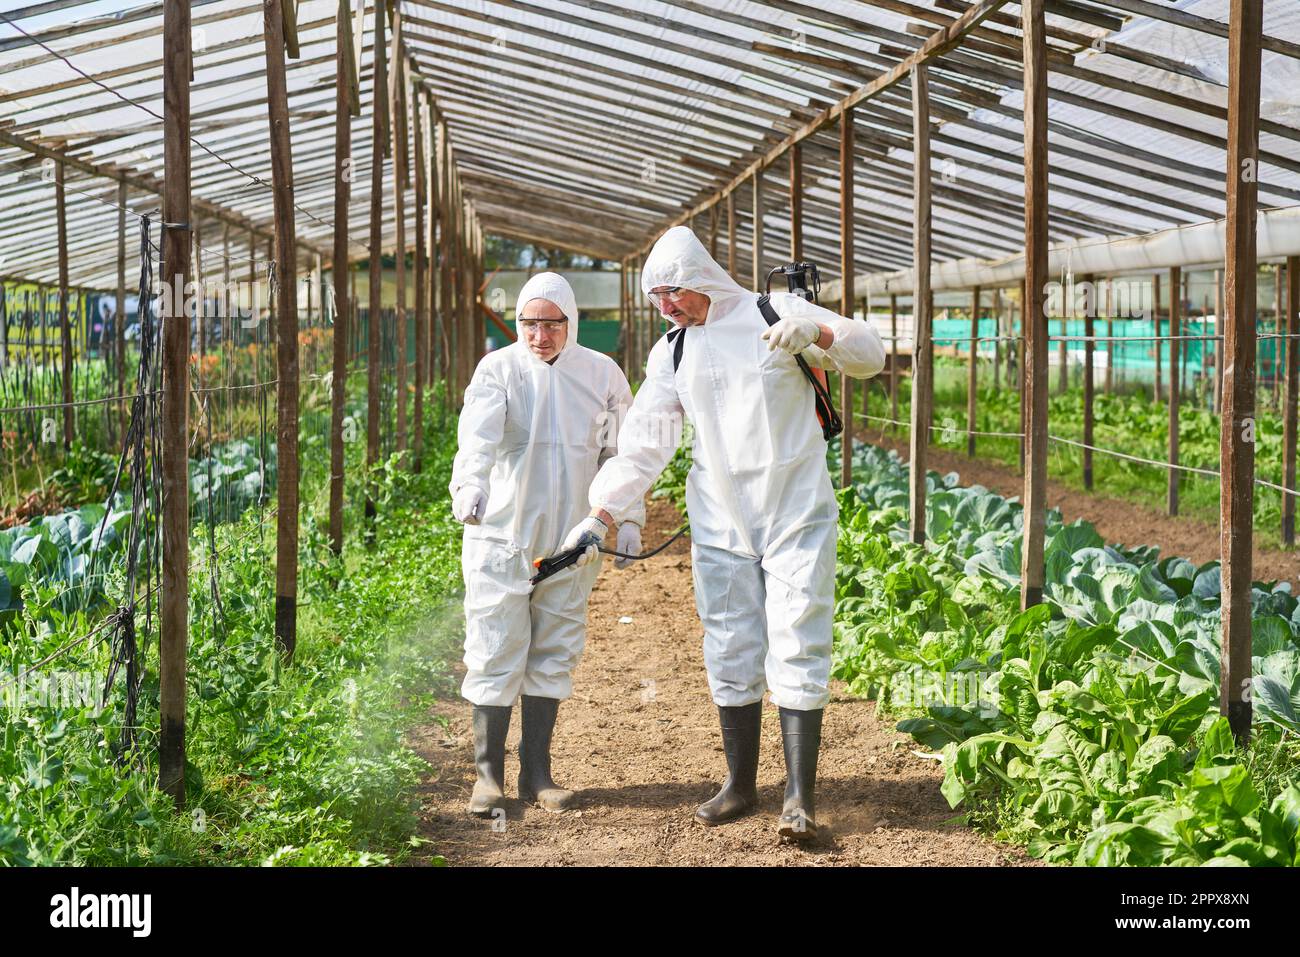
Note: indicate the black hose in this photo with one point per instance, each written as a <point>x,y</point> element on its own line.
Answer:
<point>685,527</point>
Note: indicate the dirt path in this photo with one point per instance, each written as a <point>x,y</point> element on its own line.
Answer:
<point>1119,521</point>
<point>640,740</point>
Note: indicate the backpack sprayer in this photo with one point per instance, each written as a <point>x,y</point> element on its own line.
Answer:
<point>797,277</point>
<point>546,567</point>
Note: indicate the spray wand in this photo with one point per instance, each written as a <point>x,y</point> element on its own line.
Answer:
<point>546,567</point>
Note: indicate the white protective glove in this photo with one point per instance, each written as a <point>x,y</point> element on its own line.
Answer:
<point>629,543</point>
<point>590,532</point>
<point>468,504</point>
<point>794,334</point>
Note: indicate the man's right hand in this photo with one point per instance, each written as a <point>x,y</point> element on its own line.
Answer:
<point>468,505</point>
<point>589,532</point>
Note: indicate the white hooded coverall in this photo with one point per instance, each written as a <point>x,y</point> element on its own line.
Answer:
<point>532,435</point>
<point>762,509</point>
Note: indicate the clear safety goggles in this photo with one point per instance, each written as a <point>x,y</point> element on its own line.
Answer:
<point>541,325</point>
<point>664,296</point>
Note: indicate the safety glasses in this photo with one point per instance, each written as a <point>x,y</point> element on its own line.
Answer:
<point>673,294</point>
<point>546,325</point>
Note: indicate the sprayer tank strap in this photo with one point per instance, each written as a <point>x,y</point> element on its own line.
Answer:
<point>826,414</point>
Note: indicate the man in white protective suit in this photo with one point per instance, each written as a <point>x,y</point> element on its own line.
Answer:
<point>759,497</point>
<point>540,415</point>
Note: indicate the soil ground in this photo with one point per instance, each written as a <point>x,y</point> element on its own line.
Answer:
<point>639,740</point>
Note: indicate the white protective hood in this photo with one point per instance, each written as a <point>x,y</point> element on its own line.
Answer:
<point>554,288</point>
<point>680,259</point>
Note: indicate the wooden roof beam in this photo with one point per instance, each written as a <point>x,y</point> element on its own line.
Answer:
<point>939,42</point>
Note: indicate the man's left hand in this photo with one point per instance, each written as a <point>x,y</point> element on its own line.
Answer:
<point>629,543</point>
<point>794,334</point>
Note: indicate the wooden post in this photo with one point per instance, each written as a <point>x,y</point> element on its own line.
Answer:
<point>286,336</point>
<point>972,379</point>
<point>997,334</point>
<point>642,312</point>
<point>758,230</point>
<point>316,296</point>
<point>846,267</point>
<point>466,288</point>
<point>1238,419</point>
<point>473,314</point>
<point>1036,277</point>
<point>376,277</point>
<point>254,295</point>
<point>623,323</point>
<point>457,280</point>
<point>635,304</point>
<point>634,325</point>
<point>1219,345</point>
<point>475,286</point>
<point>634,309</point>
<point>444,270</point>
<point>1063,352</point>
<point>628,314</point>
<point>463,333</point>
<point>43,322</point>
<point>229,308</point>
<point>173,609</point>
<point>472,341</point>
<point>922,344</point>
<point>1201,393</point>
<point>796,198</point>
<point>640,316</point>
<point>1292,397</point>
<point>65,321</point>
<point>1277,328</point>
<point>1020,385</point>
<point>1016,329</point>
<point>1155,318</point>
<point>200,318</point>
<point>434,348</point>
<point>200,312</point>
<point>340,272</point>
<point>636,319</point>
<point>1184,301</point>
<point>397,101</point>
<point>421,304</point>
<point>1110,341</point>
<point>652,324</point>
<point>1089,351</point>
<point>731,235</point>
<point>893,359</point>
<point>289,28</point>
<point>119,325</point>
<point>713,231</point>
<point>463,317</point>
<point>1175,380</point>
<point>864,305</point>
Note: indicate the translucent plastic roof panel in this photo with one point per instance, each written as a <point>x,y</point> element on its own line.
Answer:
<point>593,124</point>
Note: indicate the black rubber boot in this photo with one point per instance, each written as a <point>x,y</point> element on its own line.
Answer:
<point>801,736</point>
<point>491,722</point>
<point>535,784</point>
<point>739,794</point>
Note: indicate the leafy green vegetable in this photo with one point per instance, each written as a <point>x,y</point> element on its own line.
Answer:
<point>1095,726</point>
